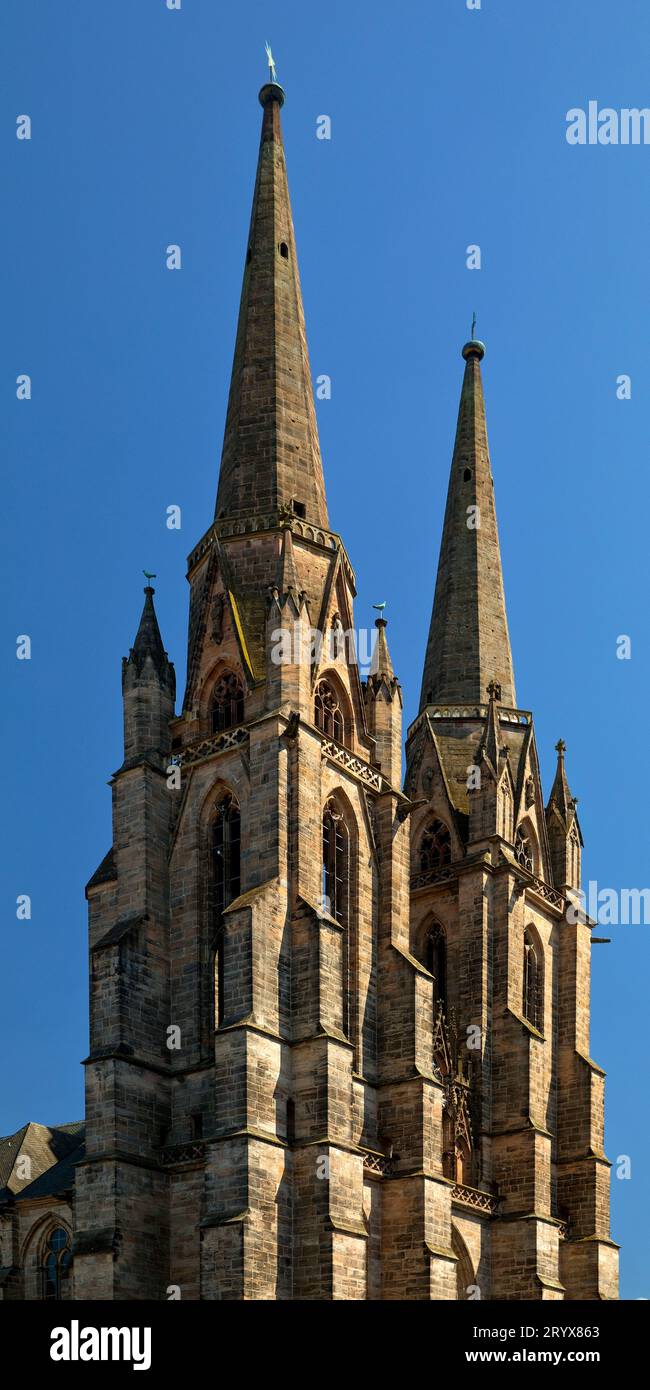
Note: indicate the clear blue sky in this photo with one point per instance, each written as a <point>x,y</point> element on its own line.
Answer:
<point>448,128</point>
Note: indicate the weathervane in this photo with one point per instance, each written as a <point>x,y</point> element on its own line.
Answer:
<point>269,55</point>
<point>380,608</point>
<point>149,576</point>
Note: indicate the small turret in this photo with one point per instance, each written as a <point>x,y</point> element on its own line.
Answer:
<point>148,689</point>
<point>384,708</point>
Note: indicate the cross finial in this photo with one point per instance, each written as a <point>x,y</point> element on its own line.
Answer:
<point>271,64</point>
<point>560,747</point>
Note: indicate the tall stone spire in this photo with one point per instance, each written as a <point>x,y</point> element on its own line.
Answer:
<point>468,642</point>
<point>271,454</point>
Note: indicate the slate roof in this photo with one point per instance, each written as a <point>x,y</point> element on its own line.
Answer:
<point>10,1147</point>
<point>57,1179</point>
<point>62,1144</point>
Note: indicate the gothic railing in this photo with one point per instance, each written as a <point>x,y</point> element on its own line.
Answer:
<point>507,715</point>
<point>175,1154</point>
<point>338,754</point>
<point>377,1163</point>
<point>550,895</point>
<point>429,876</point>
<point>206,747</point>
<point>472,1197</point>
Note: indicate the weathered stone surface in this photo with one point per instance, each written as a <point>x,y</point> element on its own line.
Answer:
<point>339,1033</point>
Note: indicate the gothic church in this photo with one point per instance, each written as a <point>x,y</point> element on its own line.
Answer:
<point>339,1025</point>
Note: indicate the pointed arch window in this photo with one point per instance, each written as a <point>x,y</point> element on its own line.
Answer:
<point>524,849</point>
<point>532,982</point>
<point>227,708</point>
<point>328,714</point>
<point>56,1264</point>
<point>574,857</point>
<point>436,960</point>
<point>336,863</point>
<point>226,877</point>
<point>466,1286</point>
<point>435,847</point>
<point>457,1155</point>
<point>336,880</point>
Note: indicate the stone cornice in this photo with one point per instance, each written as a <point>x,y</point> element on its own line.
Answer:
<point>232,528</point>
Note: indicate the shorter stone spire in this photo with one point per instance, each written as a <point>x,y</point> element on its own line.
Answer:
<point>383,700</point>
<point>148,690</point>
<point>381,666</point>
<point>468,637</point>
<point>149,643</point>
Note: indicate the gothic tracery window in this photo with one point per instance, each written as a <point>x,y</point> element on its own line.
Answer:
<point>328,715</point>
<point>435,847</point>
<point>524,850</point>
<point>532,983</point>
<point>226,878</point>
<point>436,960</point>
<point>56,1263</point>
<point>227,709</point>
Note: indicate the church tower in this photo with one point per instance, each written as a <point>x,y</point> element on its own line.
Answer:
<point>491,915</point>
<point>339,1029</point>
<point>246,1093</point>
